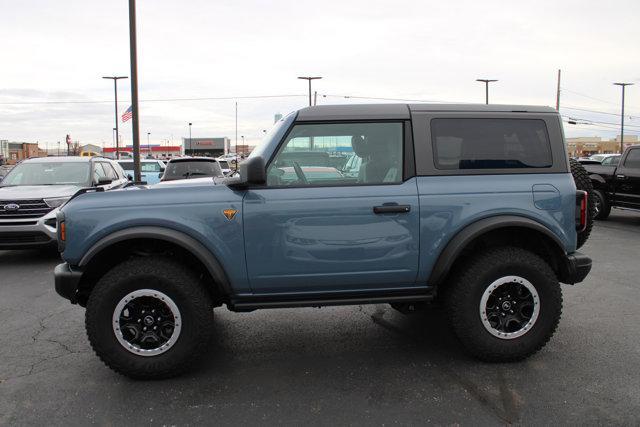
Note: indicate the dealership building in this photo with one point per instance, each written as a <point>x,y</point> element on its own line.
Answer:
<point>207,147</point>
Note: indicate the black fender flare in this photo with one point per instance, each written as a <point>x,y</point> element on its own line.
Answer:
<point>598,181</point>
<point>187,242</point>
<point>465,236</point>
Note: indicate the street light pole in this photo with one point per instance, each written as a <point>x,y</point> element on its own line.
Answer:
<point>115,91</point>
<point>148,145</point>
<point>190,147</point>
<point>133,51</point>
<point>623,85</point>
<point>486,88</point>
<point>309,80</point>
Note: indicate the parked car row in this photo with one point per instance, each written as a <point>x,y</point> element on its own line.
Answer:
<point>616,182</point>
<point>34,190</point>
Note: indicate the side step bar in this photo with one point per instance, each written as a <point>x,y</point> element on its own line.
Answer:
<point>251,303</point>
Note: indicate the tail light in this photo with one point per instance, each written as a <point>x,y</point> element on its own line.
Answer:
<point>582,202</point>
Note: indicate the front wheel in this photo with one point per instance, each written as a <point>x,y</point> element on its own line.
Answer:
<point>505,305</point>
<point>149,318</point>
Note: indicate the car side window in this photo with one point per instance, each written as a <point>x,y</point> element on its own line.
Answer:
<point>98,172</point>
<point>633,159</point>
<point>109,171</point>
<point>461,143</point>
<point>323,154</point>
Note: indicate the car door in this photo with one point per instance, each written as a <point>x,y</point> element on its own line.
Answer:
<point>627,180</point>
<point>311,228</point>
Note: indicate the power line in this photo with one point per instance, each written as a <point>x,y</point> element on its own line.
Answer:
<point>588,96</point>
<point>221,98</point>
<point>598,112</point>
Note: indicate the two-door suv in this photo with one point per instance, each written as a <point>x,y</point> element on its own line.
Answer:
<point>474,206</point>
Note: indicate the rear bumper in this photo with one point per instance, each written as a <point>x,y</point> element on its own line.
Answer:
<point>67,281</point>
<point>577,267</point>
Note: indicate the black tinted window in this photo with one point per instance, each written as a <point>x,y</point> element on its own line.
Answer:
<point>490,144</point>
<point>633,159</point>
<point>191,169</point>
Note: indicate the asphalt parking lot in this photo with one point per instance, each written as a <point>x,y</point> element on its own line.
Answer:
<point>344,365</point>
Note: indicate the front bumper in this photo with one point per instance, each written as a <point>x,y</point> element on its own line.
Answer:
<point>577,267</point>
<point>28,233</point>
<point>67,281</point>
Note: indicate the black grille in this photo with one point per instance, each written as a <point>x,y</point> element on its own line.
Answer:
<point>23,237</point>
<point>33,208</point>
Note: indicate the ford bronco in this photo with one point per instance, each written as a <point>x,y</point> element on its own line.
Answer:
<point>471,206</point>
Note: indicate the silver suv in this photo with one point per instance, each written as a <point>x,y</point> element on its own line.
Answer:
<point>32,192</point>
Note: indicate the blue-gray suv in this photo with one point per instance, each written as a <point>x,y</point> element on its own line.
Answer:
<point>474,207</point>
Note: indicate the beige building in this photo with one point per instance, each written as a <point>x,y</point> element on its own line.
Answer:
<point>587,145</point>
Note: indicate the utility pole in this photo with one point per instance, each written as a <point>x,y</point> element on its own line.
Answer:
<point>133,51</point>
<point>190,146</point>
<point>236,136</point>
<point>148,146</point>
<point>558,92</point>
<point>115,91</point>
<point>309,80</point>
<point>486,88</point>
<point>623,85</point>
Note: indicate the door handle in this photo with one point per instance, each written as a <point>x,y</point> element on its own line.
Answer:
<point>621,176</point>
<point>395,208</point>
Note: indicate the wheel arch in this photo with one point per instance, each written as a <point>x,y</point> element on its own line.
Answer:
<point>501,228</point>
<point>172,237</point>
<point>598,181</point>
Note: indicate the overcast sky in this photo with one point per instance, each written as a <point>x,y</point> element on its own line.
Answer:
<point>57,50</point>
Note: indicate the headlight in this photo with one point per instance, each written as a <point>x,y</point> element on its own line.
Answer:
<point>56,202</point>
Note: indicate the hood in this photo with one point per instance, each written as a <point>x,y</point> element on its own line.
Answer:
<point>23,192</point>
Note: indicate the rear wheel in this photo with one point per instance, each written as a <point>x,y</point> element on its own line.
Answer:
<point>601,207</point>
<point>149,318</point>
<point>505,305</point>
<point>583,182</point>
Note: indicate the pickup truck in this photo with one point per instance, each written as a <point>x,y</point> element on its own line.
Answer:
<point>616,185</point>
<point>474,207</point>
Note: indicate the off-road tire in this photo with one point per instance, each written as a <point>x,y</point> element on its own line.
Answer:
<point>172,279</point>
<point>583,182</point>
<point>605,207</point>
<point>463,295</point>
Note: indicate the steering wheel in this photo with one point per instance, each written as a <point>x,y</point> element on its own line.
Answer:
<point>301,176</point>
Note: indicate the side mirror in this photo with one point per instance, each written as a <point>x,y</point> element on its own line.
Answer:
<point>160,175</point>
<point>253,171</point>
<point>129,177</point>
<point>104,181</point>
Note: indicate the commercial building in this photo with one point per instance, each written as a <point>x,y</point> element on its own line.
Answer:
<point>207,147</point>
<point>155,151</point>
<point>588,145</point>
<point>13,152</point>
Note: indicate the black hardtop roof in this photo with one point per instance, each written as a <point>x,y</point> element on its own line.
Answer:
<point>403,111</point>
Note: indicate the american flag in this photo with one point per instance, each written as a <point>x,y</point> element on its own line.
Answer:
<point>127,114</point>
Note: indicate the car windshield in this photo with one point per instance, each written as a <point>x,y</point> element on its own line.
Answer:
<point>185,169</point>
<point>49,173</point>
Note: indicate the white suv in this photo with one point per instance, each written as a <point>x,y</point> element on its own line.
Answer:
<point>32,192</point>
